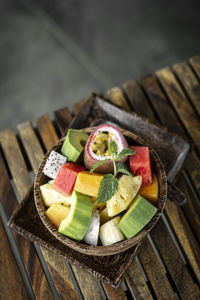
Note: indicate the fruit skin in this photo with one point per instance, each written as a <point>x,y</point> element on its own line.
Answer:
<point>140,164</point>
<point>88,183</point>
<point>76,224</point>
<point>51,196</point>
<point>90,159</point>
<point>56,213</point>
<point>92,234</point>
<point>74,144</point>
<point>66,178</point>
<point>151,192</point>
<point>138,215</point>
<point>127,189</point>
<point>109,232</point>
<point>53,164</point>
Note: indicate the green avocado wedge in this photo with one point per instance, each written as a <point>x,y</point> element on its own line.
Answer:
<point>74,144</point>
<point>138,215</point>
<point>76,224</point>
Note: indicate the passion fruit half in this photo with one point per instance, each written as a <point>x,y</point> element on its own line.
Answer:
<point>97,147</point>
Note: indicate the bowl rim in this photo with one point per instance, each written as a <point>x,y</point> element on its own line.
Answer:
<point>122,245</point>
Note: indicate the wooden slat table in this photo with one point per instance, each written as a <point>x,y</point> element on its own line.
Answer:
<point>169,270</point>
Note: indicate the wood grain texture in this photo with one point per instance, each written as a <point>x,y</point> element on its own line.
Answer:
<point>11,284</point>
<point>191,248</point>
<point>35,155</point>
<point>155,272</point>
<point>26,249</point>
<point>174,262</point>
<point>17,166</point>
<point>88,285</point>
<point>76,107</point>
<point>137,98</point>
<point>189,82</point>
<point>31,144</point>
<point>46,131</point>
<point>180,104</point>
<point>137,284</point>
<point>195,63</point>
<point>114,294</point>
<point>116,96</point>
<point>63,118</point>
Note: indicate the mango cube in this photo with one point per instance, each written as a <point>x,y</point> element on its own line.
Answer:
<point>150,192</point>
<point>88,183</point>
<point>56,213</point>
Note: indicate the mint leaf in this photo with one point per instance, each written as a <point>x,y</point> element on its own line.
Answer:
<point>113,147</point>
<point>122,167</point>
<point>99,163</point>
<point>125,152</point>
<point>108,187</point>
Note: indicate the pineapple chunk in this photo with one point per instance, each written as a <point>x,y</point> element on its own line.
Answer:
<point>127,189</point>
<point>56,213</point>
<point>96,205</point>
<point>51,196</point>
<point>110,233</point>
<point>104,217</point>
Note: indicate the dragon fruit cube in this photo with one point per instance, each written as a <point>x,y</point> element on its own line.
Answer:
<point>53,164</point>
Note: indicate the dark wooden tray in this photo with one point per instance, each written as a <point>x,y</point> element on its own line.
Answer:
<point>171,148</point>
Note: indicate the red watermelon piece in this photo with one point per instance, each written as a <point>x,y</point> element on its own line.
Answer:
<point>140,164</point>
<point>66,178</point>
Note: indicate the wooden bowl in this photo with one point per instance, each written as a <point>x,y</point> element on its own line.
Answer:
<point>119,247</point>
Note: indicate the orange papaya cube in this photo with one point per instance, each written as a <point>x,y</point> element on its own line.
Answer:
<point>56,213</point>
<point>151,192</point>
<point>88,183</point>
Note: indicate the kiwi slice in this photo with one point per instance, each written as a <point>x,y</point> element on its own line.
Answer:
<point>138,215</point>
<point>76,224</point>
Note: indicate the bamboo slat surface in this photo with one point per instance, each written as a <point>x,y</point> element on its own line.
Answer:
<point>168,263</point>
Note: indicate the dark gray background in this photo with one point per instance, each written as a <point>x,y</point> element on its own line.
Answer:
<point>54,53</point>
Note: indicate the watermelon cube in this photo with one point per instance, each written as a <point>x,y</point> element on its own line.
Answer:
<point>140,164</point>
<point>66,178</point>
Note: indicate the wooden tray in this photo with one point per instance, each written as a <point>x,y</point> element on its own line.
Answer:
<point>172,150</point>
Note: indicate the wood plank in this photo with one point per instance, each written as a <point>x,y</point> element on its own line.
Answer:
<point>31,142</point>
<point>170,120</point>
<point>174,262</point>
<point>195,63</point>
<point>76,107</point>
<point>136,97</point>
<point>35,155</point>
<point>26,249</point>
<point>180,104</point>
<point>136,283</point>
<point>11,284</point>
<point>116,96</point>
<point>171,244</point>
<point>154,272</point>
<point>114,293</point>
<point>12,150</point>
<point>47,131</point>
<point>189,82</point>
<point>63,118</point>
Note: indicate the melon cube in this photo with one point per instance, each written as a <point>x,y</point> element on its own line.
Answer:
<point>53,164</point>
<point>66,178</point>
<point>56,213</point>
<point>88,183</point>
<point>140,164</point>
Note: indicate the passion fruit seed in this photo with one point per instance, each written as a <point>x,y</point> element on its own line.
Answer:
<point>101,143</point>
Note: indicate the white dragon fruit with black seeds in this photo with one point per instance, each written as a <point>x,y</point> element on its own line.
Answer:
<point>53,164</point>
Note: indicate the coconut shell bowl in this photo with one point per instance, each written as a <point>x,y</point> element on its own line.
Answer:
<point>157,168</point>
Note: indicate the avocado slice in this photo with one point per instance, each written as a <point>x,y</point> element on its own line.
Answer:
<point>137,216</point>
<point>76,224</point>
<point>74,144</point>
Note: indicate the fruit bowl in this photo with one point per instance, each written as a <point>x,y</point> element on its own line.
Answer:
<point>157,168</point>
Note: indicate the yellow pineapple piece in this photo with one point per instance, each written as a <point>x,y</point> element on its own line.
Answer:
<point>56,213</point>
<point>88,183</point>
<point>96,205</point>
<point>51,196</point>
<point>104,217</point>
<point>127,189</point>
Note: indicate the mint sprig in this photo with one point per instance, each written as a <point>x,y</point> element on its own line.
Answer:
<point>122,167</point>
<point>108,187</point>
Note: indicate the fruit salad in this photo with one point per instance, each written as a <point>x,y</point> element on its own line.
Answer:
<point>100,190</point>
